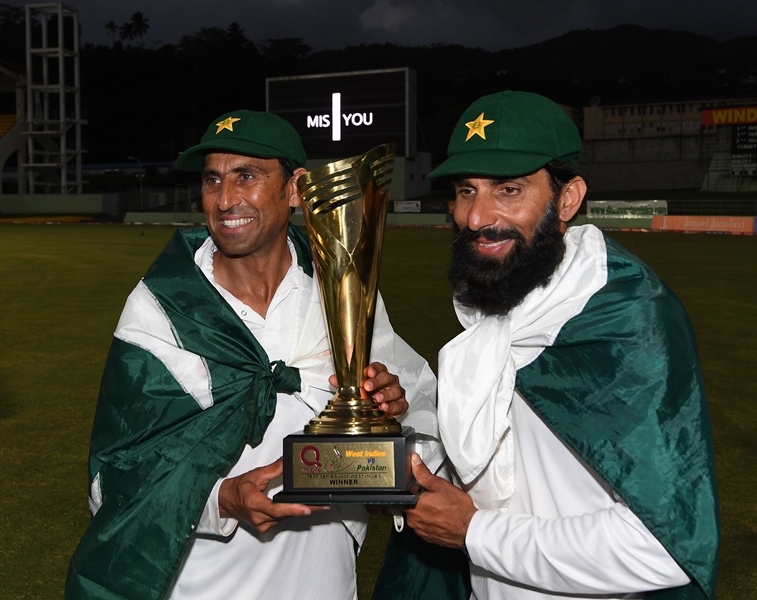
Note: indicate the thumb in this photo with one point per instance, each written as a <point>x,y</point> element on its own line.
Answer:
<point>421,473</point>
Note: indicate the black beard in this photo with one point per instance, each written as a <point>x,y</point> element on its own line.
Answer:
<point>495,286</point>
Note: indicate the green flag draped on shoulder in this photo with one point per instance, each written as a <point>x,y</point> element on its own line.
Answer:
<point>632,405</point>
<point>618,381</point>
<point>155,453</point>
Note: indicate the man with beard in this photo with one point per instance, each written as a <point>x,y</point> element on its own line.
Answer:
<point>571,407</point>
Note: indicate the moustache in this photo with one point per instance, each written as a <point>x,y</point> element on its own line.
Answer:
<point>491,234</point>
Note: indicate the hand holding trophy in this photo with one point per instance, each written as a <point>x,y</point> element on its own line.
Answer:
<point>352,452</point>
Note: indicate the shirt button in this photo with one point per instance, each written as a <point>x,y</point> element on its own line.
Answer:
<point>244,313</point>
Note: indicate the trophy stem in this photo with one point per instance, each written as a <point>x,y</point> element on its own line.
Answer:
<point>350,413</point>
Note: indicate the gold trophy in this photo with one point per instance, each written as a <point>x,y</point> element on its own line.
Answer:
<point>352,452</point>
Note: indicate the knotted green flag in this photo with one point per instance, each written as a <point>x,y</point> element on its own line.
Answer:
<point>154,450</point>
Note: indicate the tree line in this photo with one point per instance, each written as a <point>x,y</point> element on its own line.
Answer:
<point>155,102</point>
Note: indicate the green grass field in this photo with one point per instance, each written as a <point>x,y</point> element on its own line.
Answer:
<point>62,289</point>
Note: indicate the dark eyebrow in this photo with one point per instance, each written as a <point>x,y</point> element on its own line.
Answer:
<point>247,168</point>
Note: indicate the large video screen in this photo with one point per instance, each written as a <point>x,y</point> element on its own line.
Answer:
<point>339,115</point>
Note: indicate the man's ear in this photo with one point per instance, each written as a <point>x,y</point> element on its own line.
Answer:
<point>571,197</point>
<point>294,194</point>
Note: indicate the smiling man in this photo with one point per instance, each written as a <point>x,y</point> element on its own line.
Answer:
<point>221,351</point>
<point>572,406</point>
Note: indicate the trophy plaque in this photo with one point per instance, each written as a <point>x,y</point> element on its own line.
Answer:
<point>352,452</point>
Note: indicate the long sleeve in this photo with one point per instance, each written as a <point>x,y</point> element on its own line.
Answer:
<point>598,553</point>
<point>564,530</point>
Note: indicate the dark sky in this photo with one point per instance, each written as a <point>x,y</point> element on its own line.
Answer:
<point>489,24</point>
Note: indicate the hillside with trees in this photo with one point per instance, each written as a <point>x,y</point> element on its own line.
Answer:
<point>155,101</point>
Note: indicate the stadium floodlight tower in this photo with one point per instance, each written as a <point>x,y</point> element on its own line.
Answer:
<point>53,106</point>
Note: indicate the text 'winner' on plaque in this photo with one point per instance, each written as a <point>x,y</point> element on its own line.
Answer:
<point>352,452</point>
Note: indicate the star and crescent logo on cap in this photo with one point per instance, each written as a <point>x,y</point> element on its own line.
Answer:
<point>227,123</point>
<point>477,127</point>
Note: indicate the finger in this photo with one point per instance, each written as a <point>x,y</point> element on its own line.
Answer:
<point>377,376</point>
<point>385,390</point>
<point>275,469</point>
<point>396,407</point>
<point>266,517</point>
<point>374,369</point>
<point>382,379</point>
<point>333,381</point>
<point>279,510</point>
<point>386,385</point>
<point>421,473</point>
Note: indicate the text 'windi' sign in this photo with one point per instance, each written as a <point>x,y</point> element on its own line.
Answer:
<point>736,115</point>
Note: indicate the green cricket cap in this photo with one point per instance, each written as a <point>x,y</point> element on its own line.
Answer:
<point>509,134</point>
<point>247,132</point>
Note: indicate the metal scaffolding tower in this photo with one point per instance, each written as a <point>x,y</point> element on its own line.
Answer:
<point>53,107</point>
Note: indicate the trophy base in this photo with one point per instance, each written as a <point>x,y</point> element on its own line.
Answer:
<point>317,499</point>
<point>348,469</point>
